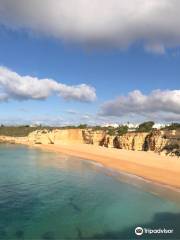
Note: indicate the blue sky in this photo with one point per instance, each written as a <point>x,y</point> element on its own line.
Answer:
<point>112,71</point>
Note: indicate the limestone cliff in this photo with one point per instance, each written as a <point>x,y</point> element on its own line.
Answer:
<point>13,140</point>
<point>57,136</point>
<point>132,141</point>
<point>165,142</point>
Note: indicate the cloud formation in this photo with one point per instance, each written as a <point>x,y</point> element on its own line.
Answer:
<point>15,86</point>
<point>120,23</point>
<point>164,105</point>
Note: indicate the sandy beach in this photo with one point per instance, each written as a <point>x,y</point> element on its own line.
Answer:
<point>149,165</point>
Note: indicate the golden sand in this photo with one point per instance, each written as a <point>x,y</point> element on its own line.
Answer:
<point>149,165</point>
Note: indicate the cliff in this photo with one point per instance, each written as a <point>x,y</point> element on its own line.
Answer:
<point>13,140</point>
<point>56,136</point>
<point>164,142</point>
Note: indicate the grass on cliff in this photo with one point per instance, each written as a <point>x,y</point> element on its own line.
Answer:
<point>23,131</point>
<point>19,131</point>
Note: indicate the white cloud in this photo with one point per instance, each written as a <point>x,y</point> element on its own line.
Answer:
<point>24,120</point>
<point>155,48</point>
<point>72,112</point>
<point>116,22</point>
<point>164,105</point>
<point>3,97</point>
<point>15,86</point>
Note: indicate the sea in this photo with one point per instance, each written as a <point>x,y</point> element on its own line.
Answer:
<point>48,196</point>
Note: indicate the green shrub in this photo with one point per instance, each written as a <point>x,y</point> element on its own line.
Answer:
<point>146,127</point>
<point>111,131</point>
<point>171,147</point>
<point>82,126</point>
<point>121,130</point>
<point>21,131</point>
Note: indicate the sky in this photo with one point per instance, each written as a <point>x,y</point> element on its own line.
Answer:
<point>80,61</point>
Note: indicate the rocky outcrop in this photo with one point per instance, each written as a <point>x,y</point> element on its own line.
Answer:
<point>98,138</point>
<point>164,142</point>
<point>155,141</point>
<point>94,137</point>
<point>57,136</point>
<point>136,141</point>
<point>172,143</point>
<point>41,137</point>
<point>132,141</point>
<point>13,140</point>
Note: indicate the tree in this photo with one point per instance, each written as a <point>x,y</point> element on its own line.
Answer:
<point>111,131</point>
<point>121,130</point>
<point>145,127</point>
<point>97,128</point>
<point>82,126</point>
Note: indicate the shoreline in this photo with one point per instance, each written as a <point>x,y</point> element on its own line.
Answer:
<point>147,165</point>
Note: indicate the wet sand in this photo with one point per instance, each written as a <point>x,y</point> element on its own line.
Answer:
<point>149,165</point>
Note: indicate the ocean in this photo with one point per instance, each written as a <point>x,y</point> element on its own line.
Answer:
<point>45,195</point>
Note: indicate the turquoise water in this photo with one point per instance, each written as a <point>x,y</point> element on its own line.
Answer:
<point>47,196</point>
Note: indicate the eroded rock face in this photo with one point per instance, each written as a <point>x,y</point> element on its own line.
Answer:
<point>56,136</point>
<point>40,137</point>
<point>98,138</point>
<point>67,136</point>
<point>166,142</point>
<point>136,141</point>
<point>87,136</point>
<point>13,140</point>
<point>126,141</point>
<point>132,141</point>
<point>172,146</point>
<point>155,141</point>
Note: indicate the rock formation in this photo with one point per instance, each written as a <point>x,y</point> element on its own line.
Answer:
<point>164,142</point>
<point>13,140</point>
<point>57,136</point>
<point>132,141</point>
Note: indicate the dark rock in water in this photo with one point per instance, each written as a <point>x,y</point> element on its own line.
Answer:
<point>79,232</point>
<point>48,236</point>
<point>3,234</point>
<point>80,235</point>
<point>75,207</point>
<point>71,199</point>
<point>19,234</point>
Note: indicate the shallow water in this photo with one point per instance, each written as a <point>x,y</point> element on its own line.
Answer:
<point>47,196</point>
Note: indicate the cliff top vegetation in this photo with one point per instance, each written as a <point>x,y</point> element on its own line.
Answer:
<point>24,130</point>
